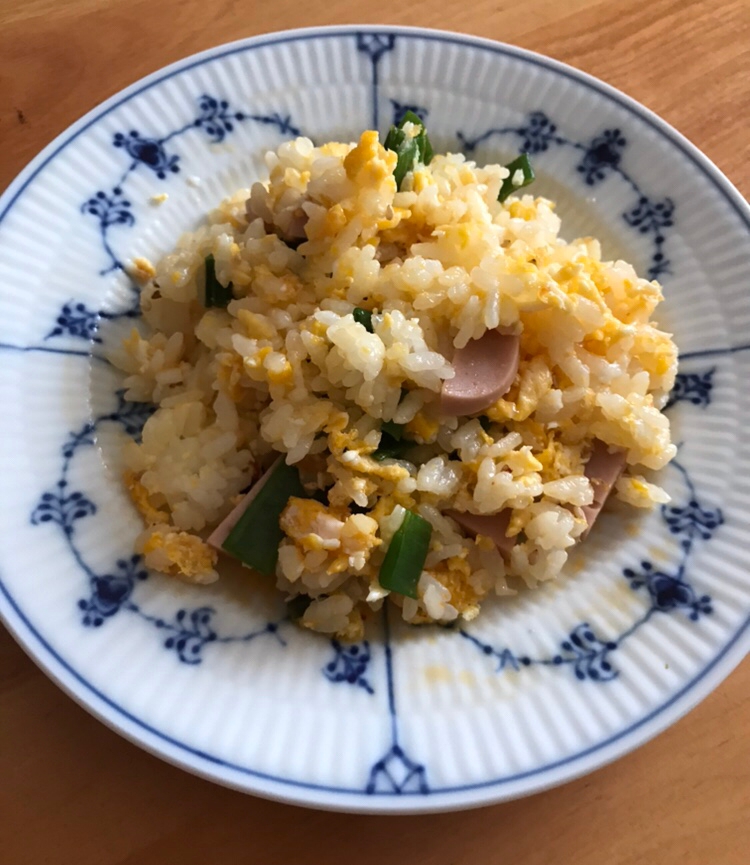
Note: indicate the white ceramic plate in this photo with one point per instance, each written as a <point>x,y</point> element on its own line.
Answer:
<point>551,685</point>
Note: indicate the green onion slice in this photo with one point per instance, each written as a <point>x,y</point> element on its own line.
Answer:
<point>394,430</point>
<point>523,164</point>
<point>405,558</point>
<point>256,537</point>
<point>409,151</point>
<point>363,317</point>
<point>393,446</point>
<point>390,449</point>
<point>217,295</point>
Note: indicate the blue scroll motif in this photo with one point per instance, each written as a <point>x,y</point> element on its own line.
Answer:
<point>693,387</point>
<point>349,664</point>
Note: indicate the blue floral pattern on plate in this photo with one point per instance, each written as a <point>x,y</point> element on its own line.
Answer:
<point>349,664</point>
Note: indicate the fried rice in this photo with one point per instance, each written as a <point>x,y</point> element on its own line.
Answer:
<point>288,368</point>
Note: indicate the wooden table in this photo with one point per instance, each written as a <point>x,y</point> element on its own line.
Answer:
<point>71,791</point>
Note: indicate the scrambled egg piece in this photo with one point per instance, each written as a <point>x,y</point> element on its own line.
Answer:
<point>520,210</point>
<point>279,370</point>
<point>369,163</point>
<point>256,326</point>
<point>178,554</point>
<point>140,496</point>
<point>355,628</point>
<point>358,534</point>
<point>311,525</point>
<point>142,270</point>
<point>558,461</point>
<point>638,492</point>
<point>229,373</point>
<point>353,452</point>
<point>344,540</point>
<point>422,428</point>
<point>454,574</point>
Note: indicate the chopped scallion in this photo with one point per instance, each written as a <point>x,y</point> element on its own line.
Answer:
<point>409,150</point>
<point>392,450</point>
<point>522,164</point>
<point>405,558</point>
<point>394,430</point>
<point>256,537</point>
<point>393,446</point>
<point>217,295</point>
<point>363,317</point>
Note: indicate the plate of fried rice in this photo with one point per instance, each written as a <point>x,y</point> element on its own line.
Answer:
<point>376,405</point>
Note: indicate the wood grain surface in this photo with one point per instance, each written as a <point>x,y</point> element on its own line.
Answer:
<point>71,791</point>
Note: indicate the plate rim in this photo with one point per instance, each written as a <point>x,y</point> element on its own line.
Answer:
<point>320,795</point>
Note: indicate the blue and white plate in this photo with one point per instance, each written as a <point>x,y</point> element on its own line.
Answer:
<point>653,612</point>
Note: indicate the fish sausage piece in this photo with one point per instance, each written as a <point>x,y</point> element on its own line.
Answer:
<point>485,369</point>
<point>603,469</point>
<point>221,532</point>
<point>493,526</point>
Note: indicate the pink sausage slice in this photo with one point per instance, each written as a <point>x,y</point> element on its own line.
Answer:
<point>493,526</point>
<point>221,532</point>
<point>603,469</point>
<point>485,370</point>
